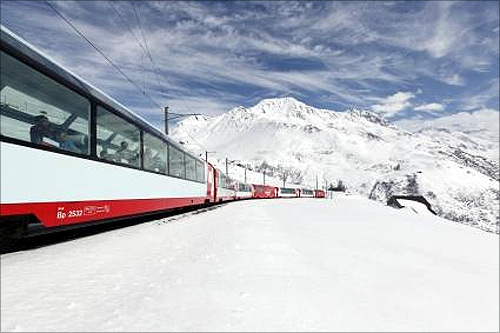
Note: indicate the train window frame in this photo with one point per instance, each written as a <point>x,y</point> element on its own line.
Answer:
<point>166,152</point>
<point>172,149</point>
<point>190,165</point>
<point>137,127</point>
<point>81,146</point>
<point>200,171</point>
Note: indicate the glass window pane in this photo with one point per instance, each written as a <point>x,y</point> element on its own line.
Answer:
<point>155,154</point>
<point>37,109</point>
<point>200,171</point>
<point>190,168</point>
<point>176,162</point>
<point>117,139</point>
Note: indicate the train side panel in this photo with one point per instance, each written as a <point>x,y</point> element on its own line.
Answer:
<point>264,191</point>
<point>319,194</point>
<point>61,189</point>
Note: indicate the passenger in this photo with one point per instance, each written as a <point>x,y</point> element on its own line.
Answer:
<point>121,153</point>
<point>65,142</point>
<point>104,154</point>
<point>134,159</point>
<point>153,162</point>
<point>41,129</point>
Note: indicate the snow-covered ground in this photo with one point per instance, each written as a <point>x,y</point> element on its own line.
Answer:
<point>347,264</point>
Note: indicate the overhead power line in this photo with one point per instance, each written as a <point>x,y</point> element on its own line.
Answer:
<point>147,50</point>
<point>101,53</point>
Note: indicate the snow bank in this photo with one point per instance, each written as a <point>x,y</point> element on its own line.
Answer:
<point>347,264</point>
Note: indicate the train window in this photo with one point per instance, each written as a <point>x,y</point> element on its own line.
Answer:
<point>190,168</point>
<point>200,171</point>
<point>229,183</point>
<point>155,154</point>
<point>117,139</point>
<point>37,109</point>
<point>222,180</point>
<point>176,164</point>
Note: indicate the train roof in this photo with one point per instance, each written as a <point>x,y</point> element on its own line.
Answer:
<point>26,51</point>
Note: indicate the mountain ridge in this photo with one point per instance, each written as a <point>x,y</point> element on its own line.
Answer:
<point>286,136</point>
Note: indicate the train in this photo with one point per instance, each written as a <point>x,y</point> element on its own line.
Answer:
<point>73,156</point>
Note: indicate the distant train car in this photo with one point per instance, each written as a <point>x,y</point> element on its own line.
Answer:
<point>264,191</point>
<point>225,187</point>
<point>306,193</point>
<point>243,191</point>
<point>285,192</point>
<point>319,194</point>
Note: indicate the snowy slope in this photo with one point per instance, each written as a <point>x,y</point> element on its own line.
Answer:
<point>372,157</point>
<point>348,264</point>
<point>476,132</point>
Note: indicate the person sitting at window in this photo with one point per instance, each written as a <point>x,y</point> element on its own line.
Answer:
<point>42,128</point>
<point>121,153</point>
<point>152,161</point>
<point>66,143</point>
<point>104,153</point>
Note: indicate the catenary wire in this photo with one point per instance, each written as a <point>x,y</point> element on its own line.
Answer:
<point>101,53</point>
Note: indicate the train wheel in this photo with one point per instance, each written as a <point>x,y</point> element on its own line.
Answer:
<point>11,231</point>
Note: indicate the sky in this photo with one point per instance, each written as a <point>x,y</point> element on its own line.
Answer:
<point>399,59</point>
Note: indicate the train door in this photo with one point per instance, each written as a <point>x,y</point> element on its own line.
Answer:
<point>216,184</point>
<point>210,183</point>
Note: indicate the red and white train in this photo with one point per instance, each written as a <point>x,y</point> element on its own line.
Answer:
<point>71,155</point>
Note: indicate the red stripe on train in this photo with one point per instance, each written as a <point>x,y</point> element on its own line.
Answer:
<point>53,214</point>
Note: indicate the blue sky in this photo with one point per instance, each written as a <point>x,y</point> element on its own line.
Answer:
<point>402,59</point>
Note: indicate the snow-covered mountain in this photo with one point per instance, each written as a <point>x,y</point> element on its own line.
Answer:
<point>369,155</point>
<point>474,132</point>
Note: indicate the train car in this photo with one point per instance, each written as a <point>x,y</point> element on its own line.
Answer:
<point>286,192</point>
<point>306,193</point>
<point>226,190</point>
<point>319,194</point>
<point>243,190</point>
<point>73,155</point>
<point>264,191</point>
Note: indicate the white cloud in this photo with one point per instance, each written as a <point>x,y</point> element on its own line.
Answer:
<point>430,107</point>
<point>207,53</point>
<point>455,80</point>
<point>393,104</point>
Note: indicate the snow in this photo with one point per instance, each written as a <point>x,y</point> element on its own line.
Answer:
<point>448,161</point>
<point>347,264</point>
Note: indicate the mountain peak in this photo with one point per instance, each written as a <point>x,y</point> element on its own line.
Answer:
<point>370,116</point>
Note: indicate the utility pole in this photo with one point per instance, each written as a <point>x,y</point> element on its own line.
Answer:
<point>206,154</point>
<point>264,174</point>
<point>317,182</point>
<point>166,120</point>
<point>227,172</point>
<point>175,116</point>
<point>245,174</point>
